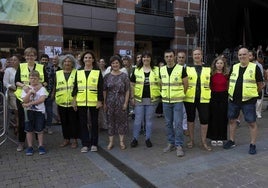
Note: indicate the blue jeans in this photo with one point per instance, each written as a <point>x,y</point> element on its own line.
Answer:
<point>173,113</point>
<point>142,111</point>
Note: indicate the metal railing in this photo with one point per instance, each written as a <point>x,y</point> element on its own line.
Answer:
<point>4,116</point>
<point>112,4</point>
<point>3,111</point>
<point>153,12</point>
<point>97,3</point>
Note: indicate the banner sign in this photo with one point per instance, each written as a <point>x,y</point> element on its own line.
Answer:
<point>19,12</point>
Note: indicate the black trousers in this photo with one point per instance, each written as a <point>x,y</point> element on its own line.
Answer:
<point>69,125</point>
<point>84,130</point>
<point>21,133</point>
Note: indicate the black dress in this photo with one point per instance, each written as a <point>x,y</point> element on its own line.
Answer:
<point>218,120</point>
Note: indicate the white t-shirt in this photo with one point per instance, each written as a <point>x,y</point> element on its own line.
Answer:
<point>108,70</point>
<point>9,77</point>
<point>38,107</point>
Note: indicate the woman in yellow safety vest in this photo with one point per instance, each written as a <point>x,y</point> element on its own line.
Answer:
<point>64,83</point>
<point>145,82</point>
<point>22,83</point>
<point>88,95</point>
<point>197,97</point>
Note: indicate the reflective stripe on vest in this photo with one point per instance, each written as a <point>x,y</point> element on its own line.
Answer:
<point>63,95</point>
<point>154,82</point>
<point>24,76</point>
<point>87,94</point>
<point>204,84</point>
<point>172,90</point>
<point>249,87</point>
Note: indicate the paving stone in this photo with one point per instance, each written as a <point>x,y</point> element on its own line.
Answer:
<point>66,167</point>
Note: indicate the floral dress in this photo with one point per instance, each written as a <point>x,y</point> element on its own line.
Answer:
<point>116,87</point>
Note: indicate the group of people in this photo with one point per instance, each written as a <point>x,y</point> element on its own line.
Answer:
<point>93,90</point>
<point>216,92</point>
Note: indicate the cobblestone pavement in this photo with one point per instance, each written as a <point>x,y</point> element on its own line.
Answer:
<point>67,167</point>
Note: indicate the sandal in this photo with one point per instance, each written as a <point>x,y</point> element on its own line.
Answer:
<point>122,145</point>
<point>74,145</point>
<point>206,147</point>
<point>65,143</point>
<point>110,146</point>
<point>190,145</point>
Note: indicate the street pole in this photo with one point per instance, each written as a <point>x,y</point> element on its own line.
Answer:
<point>188,36</point>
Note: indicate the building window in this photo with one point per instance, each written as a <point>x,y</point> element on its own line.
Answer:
<point>155,7</point>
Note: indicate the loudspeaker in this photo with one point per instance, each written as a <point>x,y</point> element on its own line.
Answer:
<point>190,24</point>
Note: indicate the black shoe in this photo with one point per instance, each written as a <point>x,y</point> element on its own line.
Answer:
<point>229,144</point>
<point>252,149</point>
<point>134,143</point>
<point>148,143</point>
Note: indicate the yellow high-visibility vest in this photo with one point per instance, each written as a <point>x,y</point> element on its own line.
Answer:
<point>172,90</point>
<point>204,84</point>
<point>24,76</point>
<point>63,95</point>
<point>249,87</point>
<point>87,94</point>
<point>154,81</point>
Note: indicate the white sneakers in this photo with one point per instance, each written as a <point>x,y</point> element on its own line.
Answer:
<point>216,143</point>
<point>85,149</point>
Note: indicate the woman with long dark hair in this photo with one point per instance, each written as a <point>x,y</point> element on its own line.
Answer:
<point>145,95</point>
<point>88,96</point>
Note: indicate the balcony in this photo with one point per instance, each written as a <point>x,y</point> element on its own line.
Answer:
<point>155,12</point>
<point>97,3</point>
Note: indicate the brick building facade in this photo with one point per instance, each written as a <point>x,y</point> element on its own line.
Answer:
<point>109,27</point>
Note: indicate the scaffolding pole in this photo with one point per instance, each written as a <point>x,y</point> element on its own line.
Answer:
<point>203,28</point>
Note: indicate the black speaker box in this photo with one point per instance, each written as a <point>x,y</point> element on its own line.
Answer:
<point>190,24</point>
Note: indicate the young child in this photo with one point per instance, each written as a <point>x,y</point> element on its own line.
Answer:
<point>33,102</point>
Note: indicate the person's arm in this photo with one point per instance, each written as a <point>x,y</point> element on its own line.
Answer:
<point>6,81</point>
<point>259,79</point>
<point>26,98</point>
<point>35,102</point>
<point>26,95</point>
<point>74,92</point>
<point>100,91</point>
<point>104,100</point>
<point>126,100</point>
<point>127,86</point>
<point>104,92</point>
<point>18,81</point>
<point>53,92</point>
<point>132,86</point>
<point>184,79</point>
<point>45,83</point>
